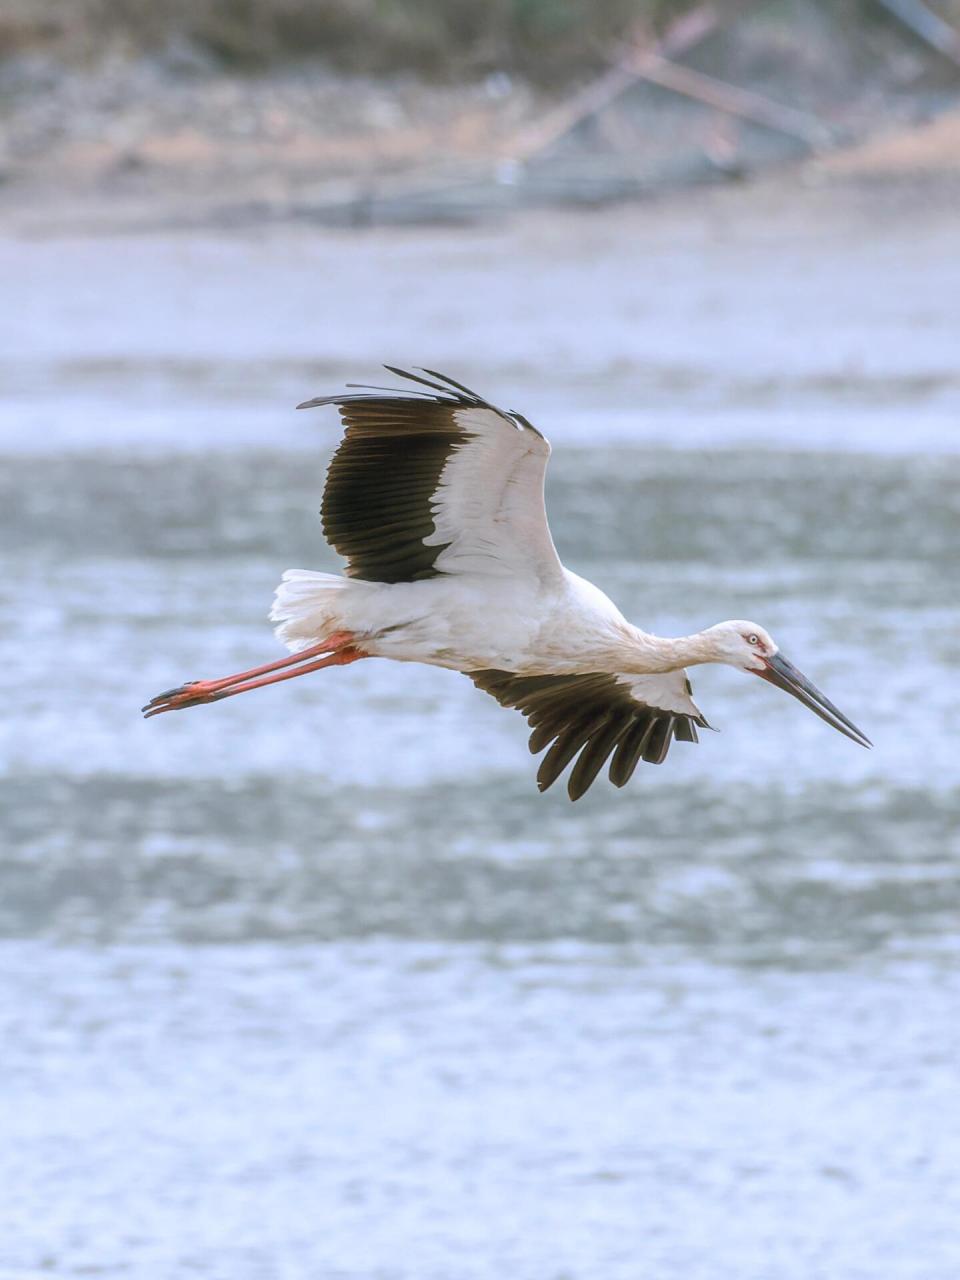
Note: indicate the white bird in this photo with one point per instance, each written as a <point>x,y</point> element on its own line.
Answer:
<point>436,499</point>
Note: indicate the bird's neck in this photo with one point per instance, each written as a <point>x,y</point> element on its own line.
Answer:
<point>645,653</point>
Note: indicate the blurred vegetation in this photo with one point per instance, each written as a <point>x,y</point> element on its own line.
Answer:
<point>442,39</point>
<point>439,38</point>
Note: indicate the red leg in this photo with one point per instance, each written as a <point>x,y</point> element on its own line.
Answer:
<point>195,692</point>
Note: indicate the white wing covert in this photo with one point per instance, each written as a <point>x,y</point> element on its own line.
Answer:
<point>435,483</point>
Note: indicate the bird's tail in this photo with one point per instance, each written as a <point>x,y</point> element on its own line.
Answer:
<point>306,607</point>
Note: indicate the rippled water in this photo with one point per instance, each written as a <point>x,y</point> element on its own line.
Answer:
<point>314,984</point>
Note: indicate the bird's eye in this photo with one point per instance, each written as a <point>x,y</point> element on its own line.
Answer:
<point>753,639</point>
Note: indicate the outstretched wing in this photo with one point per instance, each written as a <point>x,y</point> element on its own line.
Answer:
<point>436,482</point>
<point>634,717</point>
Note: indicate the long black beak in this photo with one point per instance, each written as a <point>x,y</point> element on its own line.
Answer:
<point>786,676</point>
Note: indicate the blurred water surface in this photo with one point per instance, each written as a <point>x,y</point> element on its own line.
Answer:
<point>313,983</point>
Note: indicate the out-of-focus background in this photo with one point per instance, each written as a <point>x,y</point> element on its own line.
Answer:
<point>313,984</point>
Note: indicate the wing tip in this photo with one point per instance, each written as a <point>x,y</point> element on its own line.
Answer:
<point>442,389</point>
<point>446,389</point>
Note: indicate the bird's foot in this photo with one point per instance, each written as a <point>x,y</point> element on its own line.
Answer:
<point>191,694</point>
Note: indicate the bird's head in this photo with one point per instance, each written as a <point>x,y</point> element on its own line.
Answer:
<point>741,644</point>
<point>749,647</point>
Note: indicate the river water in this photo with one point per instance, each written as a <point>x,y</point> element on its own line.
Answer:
<point>312,983</point>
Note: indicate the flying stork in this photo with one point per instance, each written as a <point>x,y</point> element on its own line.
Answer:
<point>435,497</point>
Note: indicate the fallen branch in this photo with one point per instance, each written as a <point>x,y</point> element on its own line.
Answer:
<point>733,100</point>
<point>683,35</point>
<point>926,24</point>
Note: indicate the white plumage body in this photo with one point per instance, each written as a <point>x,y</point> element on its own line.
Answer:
<point>475,623</point>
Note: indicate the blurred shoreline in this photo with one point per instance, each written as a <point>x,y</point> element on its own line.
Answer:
<point>166,140</point>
